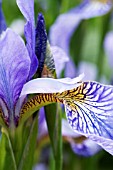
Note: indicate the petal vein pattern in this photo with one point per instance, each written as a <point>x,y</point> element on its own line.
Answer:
<point>90,112</point>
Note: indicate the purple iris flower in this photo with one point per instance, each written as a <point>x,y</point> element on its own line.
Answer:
<point>18,63</point>
<point>68,22</point>
<point>88,105</point>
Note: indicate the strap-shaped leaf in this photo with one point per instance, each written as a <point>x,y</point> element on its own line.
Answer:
<point>7,159</point>
<point>27,156</point>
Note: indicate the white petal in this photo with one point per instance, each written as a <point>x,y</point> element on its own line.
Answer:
<point>49,85</point>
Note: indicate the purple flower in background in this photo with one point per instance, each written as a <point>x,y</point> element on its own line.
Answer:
<point>59,61</point>
<point>85,148</point>
<point>108,46</point>
<point>89,69</point>
<point>79,144</point>
<point>2,20</point>
<point>67,23</point>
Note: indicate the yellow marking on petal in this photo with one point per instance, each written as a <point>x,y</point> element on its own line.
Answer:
<point>67,97</point>
<point>35,103</point>
<point>3,120</point>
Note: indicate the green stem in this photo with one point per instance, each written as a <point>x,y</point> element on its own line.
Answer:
<point>9,156</point>
<point>58,155</point>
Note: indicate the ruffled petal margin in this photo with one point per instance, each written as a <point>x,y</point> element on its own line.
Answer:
<point>49,85</point>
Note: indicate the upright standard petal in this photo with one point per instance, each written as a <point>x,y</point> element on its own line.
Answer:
<point>27,9</point>
<point>2,19</point>
<point>14,68</point>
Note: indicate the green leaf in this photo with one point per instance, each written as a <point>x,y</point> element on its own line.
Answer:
<point>7,159</point>
<point>27,158</point>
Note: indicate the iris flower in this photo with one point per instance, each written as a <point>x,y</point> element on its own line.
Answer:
<point>88,105</point>
<point>80,145</point>
<point>68,22</point>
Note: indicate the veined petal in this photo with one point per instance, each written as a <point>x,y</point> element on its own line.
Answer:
<point>49,85</point>
<point>14,67</point>
<point>27,9</point>
<point>90,112</point>
<point>60,58</point>
<point>2,19</point>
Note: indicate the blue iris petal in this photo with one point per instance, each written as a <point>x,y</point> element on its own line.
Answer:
<point>14,70</point>
<point>93,115</point>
